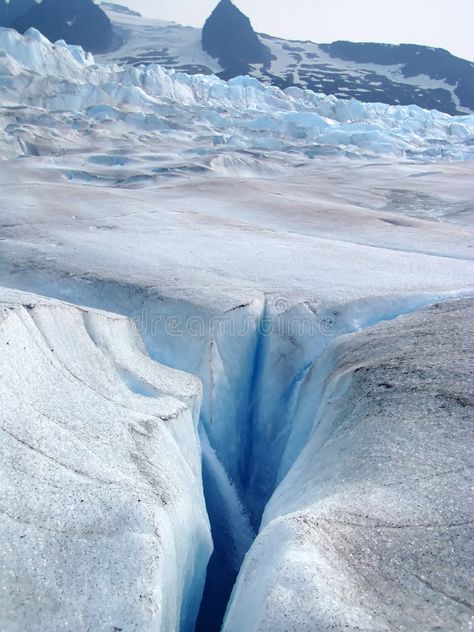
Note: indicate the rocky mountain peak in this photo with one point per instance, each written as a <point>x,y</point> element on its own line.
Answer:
<point>79,22</point>
<point>228,36</point>
<point>12,10</point>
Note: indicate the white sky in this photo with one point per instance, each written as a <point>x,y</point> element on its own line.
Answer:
<point>432,22</point>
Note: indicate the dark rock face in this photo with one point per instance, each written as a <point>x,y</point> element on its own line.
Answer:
<point>11,11</point>
<point>229,37</point>
<point>414,60</point>
<point>78,22</point>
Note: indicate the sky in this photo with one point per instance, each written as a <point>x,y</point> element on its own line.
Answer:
<point>431,22</point>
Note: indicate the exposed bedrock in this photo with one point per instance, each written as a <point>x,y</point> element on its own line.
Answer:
<point>229,37</point>
<point>78,22</point>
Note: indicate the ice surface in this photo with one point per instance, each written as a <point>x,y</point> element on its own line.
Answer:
<point>371,528</point>
<point>102,516</point>
<point>39,74</point>
<point>243,229</point>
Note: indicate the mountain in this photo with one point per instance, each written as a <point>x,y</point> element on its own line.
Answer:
<point>414,62</point>
<point>229,37</point>
<point>79,22</point>
<point>10,11</point>
<point>228,46</point>
<point>395,74</point>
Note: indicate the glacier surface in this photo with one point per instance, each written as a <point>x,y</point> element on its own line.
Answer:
<point>243,112</point>
<point>243,229</point>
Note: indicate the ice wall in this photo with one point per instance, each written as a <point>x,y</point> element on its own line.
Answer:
<point>102,515</point>
<point>371,527</point>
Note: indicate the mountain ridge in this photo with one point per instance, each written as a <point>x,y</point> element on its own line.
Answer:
<point>300,63</point>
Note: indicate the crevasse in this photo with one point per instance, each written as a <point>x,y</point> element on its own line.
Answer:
<point>263,368</point>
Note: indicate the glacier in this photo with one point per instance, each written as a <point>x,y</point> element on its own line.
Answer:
<point>246,231</point>
<point>102,519</point>
<point>37,74</point>
<point>357,537</point>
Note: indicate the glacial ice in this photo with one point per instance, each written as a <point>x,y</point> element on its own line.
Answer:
<point>209,212</point>
<point>102,516</point>
<point>371,527</point>
<point>57,77</point>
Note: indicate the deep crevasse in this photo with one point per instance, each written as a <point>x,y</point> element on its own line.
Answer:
<point>263,367</point>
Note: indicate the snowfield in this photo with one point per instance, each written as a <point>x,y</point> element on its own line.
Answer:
<point>254,236</point>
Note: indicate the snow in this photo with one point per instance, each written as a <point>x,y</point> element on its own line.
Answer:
<point>146,40</point>
<point>243,229</point>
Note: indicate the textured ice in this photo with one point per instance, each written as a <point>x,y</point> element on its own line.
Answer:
<point>102,518</point>
<point>56,77</point>
<point>370,530</point>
